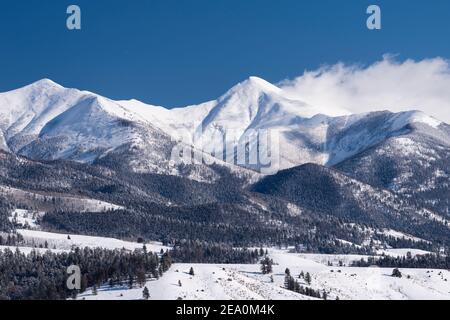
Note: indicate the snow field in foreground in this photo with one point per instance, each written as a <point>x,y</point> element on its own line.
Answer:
<point>245,282</point>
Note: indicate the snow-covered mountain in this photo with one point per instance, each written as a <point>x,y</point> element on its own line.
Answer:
<point>365,184</point>
<point>47,121</point>
<point>305,133</point>
<point>415,164</point>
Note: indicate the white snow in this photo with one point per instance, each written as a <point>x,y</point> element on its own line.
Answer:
<point>245,281</point>
<point>28,250</point>
<point>215,281</point>
<point>401,235</point>
<point>34,238</point>
<point>72,202</point>
<point>403,119</point>
<point>403,252</point>
<point>210,282</point>
<point>26,218</point>
<point>45,120</point>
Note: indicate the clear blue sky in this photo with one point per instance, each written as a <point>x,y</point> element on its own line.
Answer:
<point>177,52</point>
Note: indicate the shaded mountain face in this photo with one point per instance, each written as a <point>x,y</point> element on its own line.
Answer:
<point>157,207</point>
<point>328,192</point>
<point>115,184</point>
<point>310,205</point>
<point>415,165</point>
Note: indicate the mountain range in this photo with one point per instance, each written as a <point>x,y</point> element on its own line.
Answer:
<point>335,170</point>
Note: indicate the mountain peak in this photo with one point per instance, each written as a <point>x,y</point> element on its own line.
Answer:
<point>252,86</point>
<point>259,84</point>
<point>258,80</point>
<point>45,83</point>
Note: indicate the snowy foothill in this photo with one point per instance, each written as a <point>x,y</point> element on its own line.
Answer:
<point>26,218</point>
<point>34,237</point>
<point>28,250</point>
<point>330,273</point>
<point>59,241</point>
<point>210,282</point>
<point>246,282</point>
<point>73,202</point>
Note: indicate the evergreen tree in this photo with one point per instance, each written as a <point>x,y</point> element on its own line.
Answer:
<point>145,294</point>
<point>308,278</point>
<point>191,271</point>
<point>396,273</point>
<point>266,265</point>
<point>130,281</point>
<point>141,277</point>
<point>84,282</point>
<point>43,276</point>
<point>289,283</point>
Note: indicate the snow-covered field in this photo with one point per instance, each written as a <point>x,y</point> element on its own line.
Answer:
<point>26,218</point>
<point>402,252</point>
<point>215,281</point>
<point>33,237</point>
<point>330,273</point>
<point>211,281</point>
<point>59,241</point>
<point>246,282</point>
<point>72,202</point>
<point>28,250</point>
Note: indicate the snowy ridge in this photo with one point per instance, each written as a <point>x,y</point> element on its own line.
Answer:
<point>47,121</point>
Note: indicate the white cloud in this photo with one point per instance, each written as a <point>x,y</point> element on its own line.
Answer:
<point>385,85</point>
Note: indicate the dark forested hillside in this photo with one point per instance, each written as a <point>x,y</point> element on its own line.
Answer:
<point>117,185</point>
<point>5,212</point>
<point>326,191</point>
<point>44,277</point>
<point>416,165</point>
<point>309,206</point>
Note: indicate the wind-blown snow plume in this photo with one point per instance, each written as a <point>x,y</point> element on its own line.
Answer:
<point>385,85</point>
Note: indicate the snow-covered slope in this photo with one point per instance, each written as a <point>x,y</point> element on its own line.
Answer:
<point>245,282</point>
<point>25,111</point>
<point>301,133</point>
<point>59,241</point>
<point>46,121</point>
<point>415,164</point>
